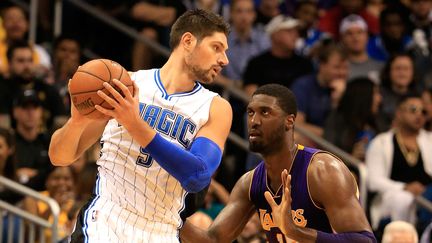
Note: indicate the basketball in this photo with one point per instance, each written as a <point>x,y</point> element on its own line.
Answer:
<point>89,78</point>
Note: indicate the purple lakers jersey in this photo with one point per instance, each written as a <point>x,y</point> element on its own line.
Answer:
<point>304,212</point>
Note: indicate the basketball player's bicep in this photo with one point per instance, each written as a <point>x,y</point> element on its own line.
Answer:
<point>218,125</point>
<point>333,188</point>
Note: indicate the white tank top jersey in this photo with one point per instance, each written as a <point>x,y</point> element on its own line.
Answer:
<point>131,187</point>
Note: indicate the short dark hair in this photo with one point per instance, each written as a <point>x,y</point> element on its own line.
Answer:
<point>59,39</point>
<point>410,95</point>
<point>200,23</point>
<point>328,50</point>
<point>18,44</point>
<point>385,71</point>
<point>285,97</point>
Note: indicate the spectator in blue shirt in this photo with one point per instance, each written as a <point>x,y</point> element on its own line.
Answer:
<point>318,93</point>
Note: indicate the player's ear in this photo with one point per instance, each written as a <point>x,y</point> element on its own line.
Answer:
<point>289,122</point>
<point>188,41</point>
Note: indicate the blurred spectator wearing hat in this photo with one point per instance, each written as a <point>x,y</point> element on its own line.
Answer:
<point>22,77</point>
<point>280,64</point>
<point>32,142</point>
<point>329,23</point>
<point>354,37</point>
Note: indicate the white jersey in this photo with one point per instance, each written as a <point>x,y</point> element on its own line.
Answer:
<point>133,192</point>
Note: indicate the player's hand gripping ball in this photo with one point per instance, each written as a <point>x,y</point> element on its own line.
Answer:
<point>89,78</point>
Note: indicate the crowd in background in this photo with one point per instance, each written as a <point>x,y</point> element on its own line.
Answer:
<point>361,71</point>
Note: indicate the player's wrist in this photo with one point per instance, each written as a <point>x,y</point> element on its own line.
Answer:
<point>80,122</point>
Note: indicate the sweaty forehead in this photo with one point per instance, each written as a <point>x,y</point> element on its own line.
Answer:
<point>262,100</point>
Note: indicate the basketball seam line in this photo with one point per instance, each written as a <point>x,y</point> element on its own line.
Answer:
<point>109,71</point>
<point>90,91</point>
<point>91,74</point>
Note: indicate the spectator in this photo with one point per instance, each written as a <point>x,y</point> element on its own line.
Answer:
<point>154,17</point>
<point>397,80</point>
<point>307,13</point>
<point>245,41</point>
<point>31,142</point>
<point>421,18</point>
<point>329,23</point>
<point>427,102</point>
<point>399,164</point>
<point>354,37</point>
<point>394,38</point>
<point>352,124</point>
<point>420,27</point>
<point>266,11</point>
<point>400,231</point>
<point>21,68</point>
<point>319,93</point>
<point>375,7</point>
<point>280,64</point>
<point>7,162</point>
<point>60,186</point>
<point>8,170</point>
<point>15,23</point>
<point>66,59</point>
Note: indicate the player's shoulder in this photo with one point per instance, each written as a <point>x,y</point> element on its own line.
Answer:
<point>326,164</point>
<point>242,186</point>
<point>144,74</point>
<point>220,104</point>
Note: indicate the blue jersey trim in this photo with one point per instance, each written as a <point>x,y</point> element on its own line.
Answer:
<point>86,213</point>
<point>159,84</point>
<point>165,94</point>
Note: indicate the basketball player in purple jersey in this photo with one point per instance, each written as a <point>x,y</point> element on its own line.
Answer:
<point>300,194</point>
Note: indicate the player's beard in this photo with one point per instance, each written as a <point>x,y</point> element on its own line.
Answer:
<point>202,75</point>
<point>270,145</point>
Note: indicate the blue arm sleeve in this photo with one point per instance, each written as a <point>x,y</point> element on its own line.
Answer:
<point>193,168</point>
<point>360,237</point>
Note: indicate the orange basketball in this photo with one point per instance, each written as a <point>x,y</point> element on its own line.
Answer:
<point>89,78</point>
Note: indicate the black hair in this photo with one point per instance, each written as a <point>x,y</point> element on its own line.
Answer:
<point>385,72</point>
<point>410,95</point>
<point>285,97</point>
<point>17,44</point>
<point>200,23</point>
<point>356,103</point>
<point>63,37</point>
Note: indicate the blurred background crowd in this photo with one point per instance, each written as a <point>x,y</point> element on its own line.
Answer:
<point>360,70</point>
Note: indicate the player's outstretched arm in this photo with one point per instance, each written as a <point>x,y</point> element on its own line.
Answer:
<point>230,221</point>
<point>333,188</point>
<point>70,141</point>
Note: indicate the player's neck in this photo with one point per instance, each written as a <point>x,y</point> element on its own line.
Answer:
<point>174,78</point>
<point>276,162</point>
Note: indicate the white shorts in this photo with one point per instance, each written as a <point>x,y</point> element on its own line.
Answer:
<point>94,224</point>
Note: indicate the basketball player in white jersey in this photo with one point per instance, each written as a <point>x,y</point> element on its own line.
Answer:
<point>160,145</point>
